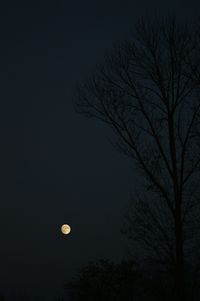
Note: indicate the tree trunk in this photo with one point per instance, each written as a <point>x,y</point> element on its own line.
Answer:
<point>179,256</point>
<point>179,268</point>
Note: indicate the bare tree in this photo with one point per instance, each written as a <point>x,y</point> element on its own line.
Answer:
<point>147,91</point>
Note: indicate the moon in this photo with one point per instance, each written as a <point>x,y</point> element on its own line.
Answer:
<point>65,229</point>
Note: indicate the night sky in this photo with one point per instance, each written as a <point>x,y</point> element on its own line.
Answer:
<point>56,167</point>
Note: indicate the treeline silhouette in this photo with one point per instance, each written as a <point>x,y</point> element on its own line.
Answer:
<point>105,280</point>
<point>108,281</point>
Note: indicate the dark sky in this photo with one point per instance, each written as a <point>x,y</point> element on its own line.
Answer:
<point>57,167</point>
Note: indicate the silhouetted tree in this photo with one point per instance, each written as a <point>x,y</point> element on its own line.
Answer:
<point>147,92</point>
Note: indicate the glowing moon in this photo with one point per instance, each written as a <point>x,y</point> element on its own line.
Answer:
<point>65,229</point>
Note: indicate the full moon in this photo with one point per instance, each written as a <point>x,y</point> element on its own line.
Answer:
<point>65,229</point>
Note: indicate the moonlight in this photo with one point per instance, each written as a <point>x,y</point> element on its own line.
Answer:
<point>65,229</point>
